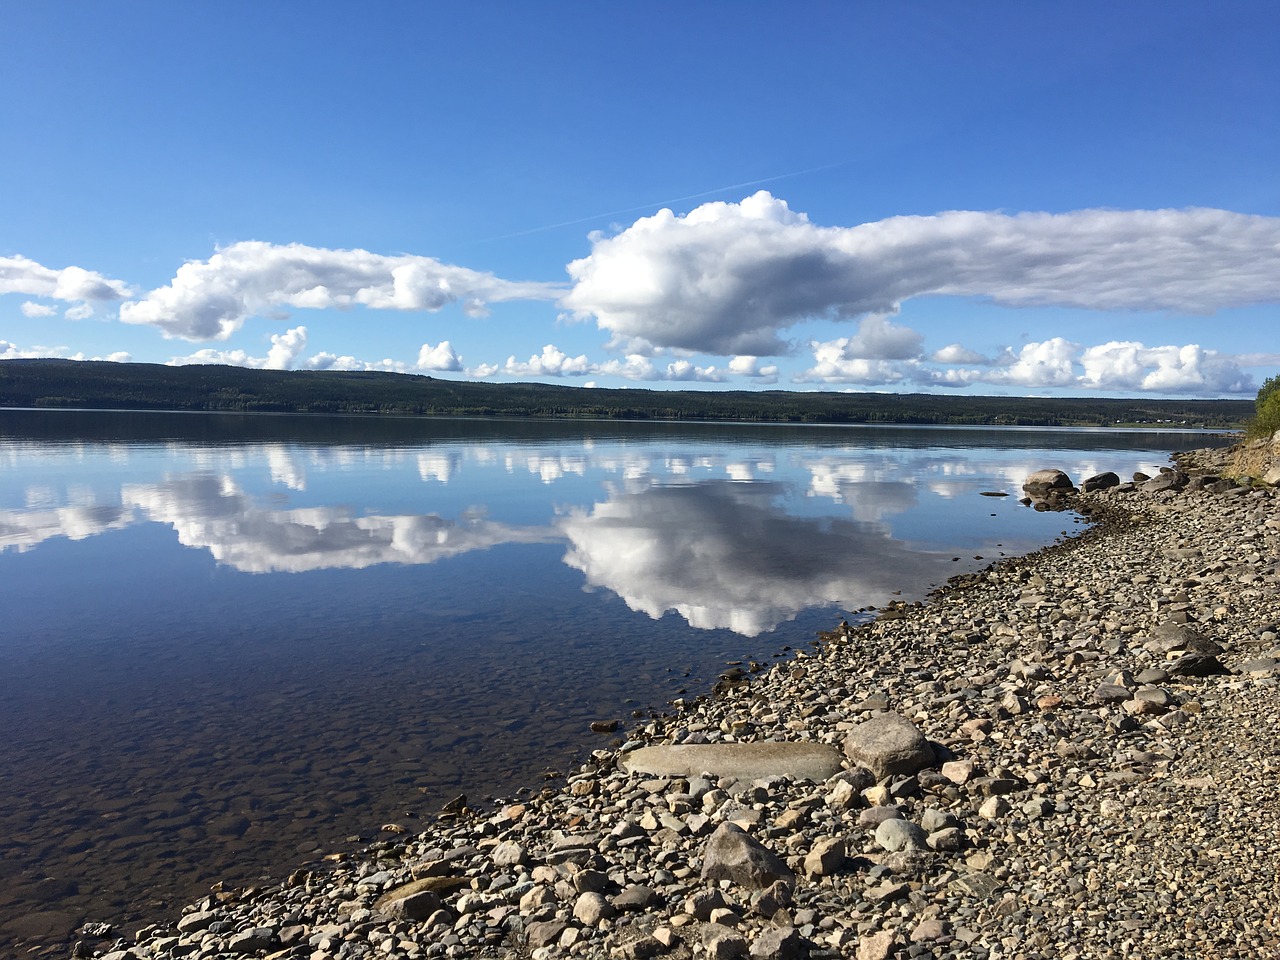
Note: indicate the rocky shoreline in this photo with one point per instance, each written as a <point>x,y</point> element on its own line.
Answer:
<point>1071,754</point>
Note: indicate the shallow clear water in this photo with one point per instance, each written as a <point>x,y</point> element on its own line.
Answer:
<point>229,642</point>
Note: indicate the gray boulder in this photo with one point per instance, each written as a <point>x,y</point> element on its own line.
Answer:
<point>412,901</point>
<point>732,854</point>
<point>1168,637</point>
<point>895,835</point>
<point>590,908</point>
<point>1045,482</point>
<point>780,943</point>
<point>540,933</point>
<point>1168,480</point>
<point>1111,693</point>
<point>1101,481</point>
<point>1196,665</point>
<point>826,857</point>
<point>773,898</point>
<point>888,744</point>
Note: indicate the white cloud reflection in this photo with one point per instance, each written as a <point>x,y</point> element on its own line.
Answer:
<point>700,531</point>
<point>725,555</point>
<point>209,512</point>
<point>21,530</point>
<point>439,467</point>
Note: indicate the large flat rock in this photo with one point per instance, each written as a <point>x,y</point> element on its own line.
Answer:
<point>746,761</point>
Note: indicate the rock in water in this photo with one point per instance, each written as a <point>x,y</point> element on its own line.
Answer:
<point>732,854</point>
<point>887,745</point>
<point>1043,482</point>
<point>1101,481</point>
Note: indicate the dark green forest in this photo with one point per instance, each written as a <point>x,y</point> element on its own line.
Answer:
<point>145,386</point>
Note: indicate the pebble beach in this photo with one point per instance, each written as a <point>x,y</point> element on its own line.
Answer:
<point>1071,754</point>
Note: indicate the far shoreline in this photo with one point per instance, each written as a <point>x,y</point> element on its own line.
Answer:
<point>106,385</point>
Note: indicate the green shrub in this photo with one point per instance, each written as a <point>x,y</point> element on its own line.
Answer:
<point>1266,418</point>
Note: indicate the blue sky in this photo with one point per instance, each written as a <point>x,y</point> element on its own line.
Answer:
<point>999,198</point>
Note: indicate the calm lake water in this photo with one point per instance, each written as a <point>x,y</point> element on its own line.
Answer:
<point>231,642</point>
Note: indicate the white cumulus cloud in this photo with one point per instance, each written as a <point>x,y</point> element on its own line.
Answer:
<point>11,351</point>
<point>439,357</point>
<point>552,362</point>
<point>332,361</point>
<point>1055,363</point>
<point>634,367</point>
<point>687,370</point>
<point>880,339</point>
<point>25,276</point>
<point>285,349</point>
<point>747,366</point>
<point>833,364</point>
<point>728,278</point>
<point>1047,364</point>
<point>956,353</point>
<point>1132,366</point>
<point>32,309</point>
<point>211,299</point>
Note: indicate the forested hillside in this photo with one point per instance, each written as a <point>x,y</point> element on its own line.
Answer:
<point>144,386</point>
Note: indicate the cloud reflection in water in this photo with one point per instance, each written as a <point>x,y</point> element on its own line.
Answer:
<point>726,555</point>
<point>23,529</point>
<point>210,512</point>
<point>736,539</point>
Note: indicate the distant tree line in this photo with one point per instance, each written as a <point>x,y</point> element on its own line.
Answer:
<point>145,386</point>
